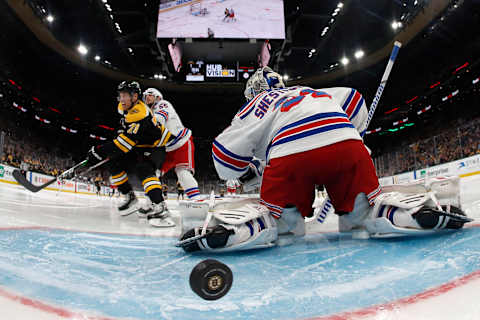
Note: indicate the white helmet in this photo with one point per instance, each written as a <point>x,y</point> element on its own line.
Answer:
<point>263,79</point>
<point>154,92</point>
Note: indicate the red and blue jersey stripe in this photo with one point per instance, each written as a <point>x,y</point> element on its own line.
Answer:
<point>229,159</point>
<point>373,195</point>
<point>179,136</point>
<point>247,107</point>
<point>162,113</point>
<point>316,124</point>
<point>275,211</point>
<point>353,104</point>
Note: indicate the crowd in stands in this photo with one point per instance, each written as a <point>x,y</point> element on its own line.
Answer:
<point>455,143</point>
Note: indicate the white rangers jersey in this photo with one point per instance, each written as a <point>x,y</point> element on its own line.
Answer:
<point>281,122</point>
<point>167,116</point>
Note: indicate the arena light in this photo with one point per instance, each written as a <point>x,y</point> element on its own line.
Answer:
<point>104,1</point>
<point>475,81</point>
<point>340,5</point>
<point>97,58</point>
<point>82,49</point>
<point>396,25</point>
<point>344,61</point>
<point>50,18</point>
<point>359,54</point>
<point>285,77</point>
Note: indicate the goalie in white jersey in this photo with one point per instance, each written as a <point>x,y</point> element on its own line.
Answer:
<point>180,152</point>
<point>306,137</point>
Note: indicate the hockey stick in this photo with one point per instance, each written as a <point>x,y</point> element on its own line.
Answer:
<point>396,47</point>
<point>20,178</point>
<point>203,234</point>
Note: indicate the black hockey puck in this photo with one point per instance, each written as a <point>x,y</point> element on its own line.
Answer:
<point>211,279</point>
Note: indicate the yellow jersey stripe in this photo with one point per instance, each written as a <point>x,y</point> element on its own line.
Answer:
<point>120,146</point>
<point>150,179</point>
<point>128,140</point>
<point>121,181</point>
<point>154,186</point>
<point>118,175</point>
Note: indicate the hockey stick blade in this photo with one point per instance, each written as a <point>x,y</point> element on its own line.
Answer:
<point>20,178</point>
<point>186,242</point>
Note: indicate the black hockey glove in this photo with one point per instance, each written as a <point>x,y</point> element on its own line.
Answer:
<point>253,177</point>
<point>93,157</point>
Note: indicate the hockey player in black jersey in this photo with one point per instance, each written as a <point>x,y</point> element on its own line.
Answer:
<point>138,149</point>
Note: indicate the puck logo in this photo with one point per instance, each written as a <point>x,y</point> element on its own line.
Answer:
<point>211,279</point>
<point>215,282</point>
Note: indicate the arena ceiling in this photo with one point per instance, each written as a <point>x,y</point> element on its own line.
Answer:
<point>438,35</point>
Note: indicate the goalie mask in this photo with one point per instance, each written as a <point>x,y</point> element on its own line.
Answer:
<point>154,92</point>
<point>263,79</point>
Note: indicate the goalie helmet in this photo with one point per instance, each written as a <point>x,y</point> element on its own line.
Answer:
<point>263,79</point>
<point>154,92</point>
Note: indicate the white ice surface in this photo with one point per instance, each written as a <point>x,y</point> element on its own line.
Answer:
<point>19,208</point>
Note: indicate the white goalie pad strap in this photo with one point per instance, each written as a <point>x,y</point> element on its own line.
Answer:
<point>401,200</point>
<point>446,189</point>
<point>236,216</point>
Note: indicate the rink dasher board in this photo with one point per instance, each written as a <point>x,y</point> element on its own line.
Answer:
<point>465,167</point>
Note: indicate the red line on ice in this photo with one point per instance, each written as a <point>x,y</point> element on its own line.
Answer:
<point>48,308</point>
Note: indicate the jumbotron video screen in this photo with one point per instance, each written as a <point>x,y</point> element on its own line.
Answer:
<point>241,19</point>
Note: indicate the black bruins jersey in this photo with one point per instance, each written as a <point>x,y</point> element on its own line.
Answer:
<point>141,131</point>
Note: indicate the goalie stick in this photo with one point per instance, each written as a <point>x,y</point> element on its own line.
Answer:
<point>20,178</point>
<point>396,47</point>
<point>203,234</point>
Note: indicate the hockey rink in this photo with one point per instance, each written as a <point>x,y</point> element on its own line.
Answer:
<point>65,256</point>
<point>254,19</point>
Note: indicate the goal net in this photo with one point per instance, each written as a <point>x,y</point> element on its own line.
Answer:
<point>196,8</point>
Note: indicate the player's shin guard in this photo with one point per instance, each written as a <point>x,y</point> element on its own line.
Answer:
<point>188,182</point>
<point>153,189</point>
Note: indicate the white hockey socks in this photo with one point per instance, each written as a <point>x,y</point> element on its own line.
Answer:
<point>188,182</point>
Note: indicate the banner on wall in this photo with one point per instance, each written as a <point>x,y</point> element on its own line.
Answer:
<point>6,173</point>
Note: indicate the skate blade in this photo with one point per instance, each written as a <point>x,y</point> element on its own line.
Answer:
<point>162,223</point>
<point>126,213</point>
<point>143,215</point>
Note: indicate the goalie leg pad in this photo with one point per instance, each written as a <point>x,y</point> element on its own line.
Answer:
<point>257,233</point>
